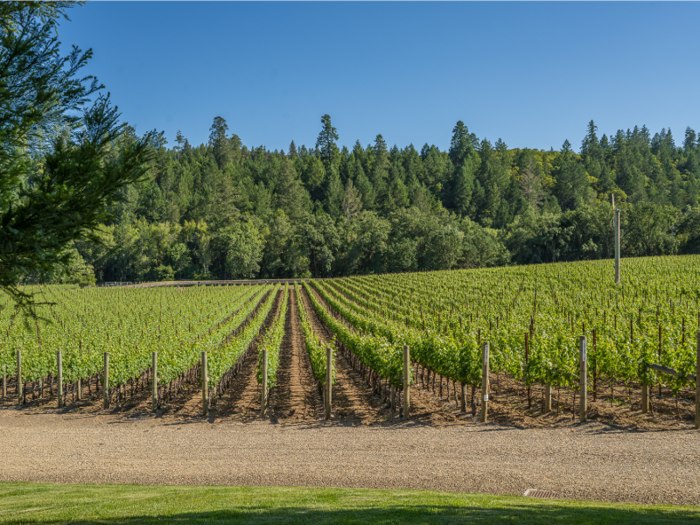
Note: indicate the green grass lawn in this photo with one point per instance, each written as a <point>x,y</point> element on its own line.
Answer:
<point>49,503</point>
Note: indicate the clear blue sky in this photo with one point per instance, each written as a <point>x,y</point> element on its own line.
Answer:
<point>532,74</point>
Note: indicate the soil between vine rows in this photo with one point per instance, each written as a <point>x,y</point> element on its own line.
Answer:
<point>296,394</point>
<point>296,397</point>
<point>352,398</point>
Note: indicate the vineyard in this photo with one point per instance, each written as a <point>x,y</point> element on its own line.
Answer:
<point>426,331</point>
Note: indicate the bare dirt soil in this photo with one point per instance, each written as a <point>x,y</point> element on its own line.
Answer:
<point>242,400</point>
<point>296,394</point>
<point>353,400</point>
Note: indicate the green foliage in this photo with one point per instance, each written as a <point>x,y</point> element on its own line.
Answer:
<point>272,341</point>
<point>164,273</point>
<point>231,349</point>
<point>326,143</point>
<point>444,316</point>
<point>225,211</point>
<point>129,324</point>
<point>314,344</point>
<point>59,171</point>
<point>375,352</point>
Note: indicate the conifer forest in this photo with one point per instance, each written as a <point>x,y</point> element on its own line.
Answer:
<point>224,210</point>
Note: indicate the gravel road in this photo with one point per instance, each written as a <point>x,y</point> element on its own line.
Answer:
<point>582,462</point>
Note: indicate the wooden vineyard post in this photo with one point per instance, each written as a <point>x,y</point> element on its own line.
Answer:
<point>660,349</point>
<point>154,382</point>
<point>105,382</point>
<point>78,386</point>
<point>59,365</point>
<point>547,398</point>
<point>4,381</point>
<point>485,384</point>
<point>406,381</point>
<point>595,366</point>
<point>329,380</point>
<point>527,358</point>
<point>583,410</point>
<point>617,245</point>
<point>645,398</point>
<point>263,400</point>
<point>19,377</point>
<point>697,385</point>
<point>205,385</point>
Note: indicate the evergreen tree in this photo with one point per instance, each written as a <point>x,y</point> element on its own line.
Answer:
<point>362,184</point>
<point>290,195</point>
<point>381,152</point>
<point>571,186</point>
<point>629,176</point>
<point>531,182</point>
<point>221,145</point>
<point>462,144</point>
<point>333,193</point>
<point>590,147</point>
<point>380,168</point>
<point>352,203</point>
<point>492,180</point>
<point>44,212</point>
<point>689,143</point>
<point>180,141</point>
<point>326,143</point>
<point>313,176</point>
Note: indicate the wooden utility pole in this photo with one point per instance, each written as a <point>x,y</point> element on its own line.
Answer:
<point>485,384</point>
<point>329,381</point>
<point>59,365</point>
<point>583,381</point>
<point>617,246</point>
<point>154,382</point>
<point>406,382</point>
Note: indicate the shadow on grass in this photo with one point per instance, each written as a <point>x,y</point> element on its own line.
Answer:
<point>142,504</point>
<point>520,514</point>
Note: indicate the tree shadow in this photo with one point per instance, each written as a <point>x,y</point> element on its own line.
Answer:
<point>395,514</point>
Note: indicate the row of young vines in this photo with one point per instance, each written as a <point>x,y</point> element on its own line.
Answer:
<point>533,316</point>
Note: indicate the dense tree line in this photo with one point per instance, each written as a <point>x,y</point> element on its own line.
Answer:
<point>223,210</point>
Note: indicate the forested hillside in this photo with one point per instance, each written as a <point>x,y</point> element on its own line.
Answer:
<point>225,210</point>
